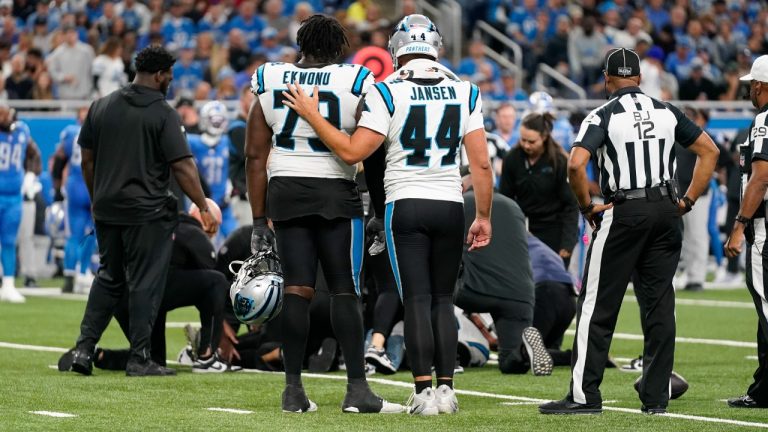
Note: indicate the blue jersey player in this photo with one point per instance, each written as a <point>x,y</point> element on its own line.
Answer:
<point>80,245</point>
<point>16,149</point>
<point>211,150</point>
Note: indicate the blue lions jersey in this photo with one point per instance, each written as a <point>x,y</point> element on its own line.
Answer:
<point>13,152</point>
<point>68,142</point>
<point>213,163</point>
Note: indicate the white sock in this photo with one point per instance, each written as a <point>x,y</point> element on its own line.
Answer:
<point>8,282</point>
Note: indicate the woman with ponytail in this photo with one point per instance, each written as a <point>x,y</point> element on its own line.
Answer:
<point>534,174</point>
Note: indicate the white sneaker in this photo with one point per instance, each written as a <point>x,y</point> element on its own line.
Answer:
<point>209,365</point>
<point>83,283</point>
<point>11,295</point>
<point>423,403</point>
<point>186,356</point>
<point>446,400</point>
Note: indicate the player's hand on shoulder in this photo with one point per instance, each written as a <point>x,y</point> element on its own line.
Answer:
<point>479,235</point>
<point>302,103</point>
<point>262,237</point>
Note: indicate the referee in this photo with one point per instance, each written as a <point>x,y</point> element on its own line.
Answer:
<point>752,220</point>
<point>632,138</point>
<point>131,142</point>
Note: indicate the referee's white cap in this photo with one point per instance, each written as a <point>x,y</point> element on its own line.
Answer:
<point>759,71</point>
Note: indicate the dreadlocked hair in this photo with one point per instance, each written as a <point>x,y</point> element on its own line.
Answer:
<point>322,38</point>
<point>154,58</point>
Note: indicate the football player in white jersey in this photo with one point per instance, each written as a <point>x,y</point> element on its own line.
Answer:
<point>311,197</point>
<point>421,114</point>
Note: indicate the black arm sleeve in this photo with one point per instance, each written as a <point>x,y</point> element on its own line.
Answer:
<point>686,131</point>
<point>58,168</point>
<point>375,165</point>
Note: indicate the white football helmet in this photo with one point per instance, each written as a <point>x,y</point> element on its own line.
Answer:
<point>541,102</point>
<point>214,119</point>
<point>257,292</point>
<point>56,220</point>
<point>415,34</point>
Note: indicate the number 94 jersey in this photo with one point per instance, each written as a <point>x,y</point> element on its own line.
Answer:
<point>296,150</point>
<point>424,121</point>
<point>13,151</point>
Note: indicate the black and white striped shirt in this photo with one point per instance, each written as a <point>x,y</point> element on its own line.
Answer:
<point>632,137</point>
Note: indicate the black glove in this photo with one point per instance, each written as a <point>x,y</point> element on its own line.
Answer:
<point>374,226</point>
<point>262,238</point>
<point>57,195</point>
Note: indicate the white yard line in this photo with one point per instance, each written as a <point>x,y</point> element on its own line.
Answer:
<point>718,342</point>
<point>408,385</point>
<point>230,410</point>
<point>53,414</point>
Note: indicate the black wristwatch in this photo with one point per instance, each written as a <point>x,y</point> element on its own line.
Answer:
<point>688,203</point>
<point>741,219</point>
<point>588,209</point>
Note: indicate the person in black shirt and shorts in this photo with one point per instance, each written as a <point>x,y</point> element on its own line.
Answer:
<point>131,142</point>
<point>632,138</point>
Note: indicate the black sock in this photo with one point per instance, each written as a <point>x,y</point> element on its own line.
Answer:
<point>421,385</point>
<point>445,381</point>
<point>347,322</point>
<point>446,335</point>
<point>295,323</point>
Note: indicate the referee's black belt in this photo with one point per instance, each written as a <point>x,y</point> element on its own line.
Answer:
<point>651,194</point>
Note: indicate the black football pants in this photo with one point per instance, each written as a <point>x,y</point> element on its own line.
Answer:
<point>757,280</point>
<point>133,259</point>
<point>642,236</point>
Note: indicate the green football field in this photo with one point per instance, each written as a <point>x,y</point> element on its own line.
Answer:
<point>715,353</point>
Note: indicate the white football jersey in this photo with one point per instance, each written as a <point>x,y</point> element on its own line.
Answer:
<point>424,121</point>
<point>296,150</point>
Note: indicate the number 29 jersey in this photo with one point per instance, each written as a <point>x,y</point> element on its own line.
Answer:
<point>424,121</point>
<point>296,150</point>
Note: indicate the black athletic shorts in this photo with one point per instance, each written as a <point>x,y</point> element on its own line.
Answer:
<point>295,197</point>
<point>336,243</point>
<point>424,243</point>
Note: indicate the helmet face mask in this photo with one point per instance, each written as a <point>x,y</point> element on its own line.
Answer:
<point>415,34</point>
<point>257,292</point>
<point>213,121</point>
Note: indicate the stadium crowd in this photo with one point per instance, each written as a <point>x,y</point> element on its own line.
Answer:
<point>690,50</point>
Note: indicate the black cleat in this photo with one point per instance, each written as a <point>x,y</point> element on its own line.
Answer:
<point>30,282</point>
<point>567,407</point>
<point>745,401</point>
<point>69,284</point>
<point>653,410</point>
<point>295,400</point>
<point>541,361</point>
<point>361,400</point>
<point>82,361</point>
<point>147,368</point>
<point>65,361</point>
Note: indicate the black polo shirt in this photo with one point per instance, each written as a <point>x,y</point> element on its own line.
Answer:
<point>135,136</point>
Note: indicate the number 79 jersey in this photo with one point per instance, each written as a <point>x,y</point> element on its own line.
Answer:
<point>424,121</point>
<point>296,150</point>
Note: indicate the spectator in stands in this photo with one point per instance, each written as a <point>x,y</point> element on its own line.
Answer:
<point>657,14</point>
<point>678,21</point>
<point>9,33</point>
<point>509,91</point>
<point>586,50</point>
<point>43,88</point>
<point>699,40</point>
<point>243,78</point>
<point>19,83</point>
<point>726,46</point>
<point>216,22</point>
<point>302,11</point>
<point>204,49</point>
<point>225,85</point>
<point>108,67</point>
<point>534,175</point>
<point>42,15</point>
<point>632,35</point>
<point>679,62</point>
<point>177,29</point>
<point>155,33</point>
<point>239,52</point>
<point>652,70</point>
<point>697,86</point>
<point>204,91</point>
<point>273,15</point>
<point>710,70</point>
<point>93,9</point>
<point>250,23</point>
<point>473,64</point>
<point>506,124</point>
<point>70,67</point>
<point>189,117</point>
<point>106,20</point>
<point>356,12</point>
<point>736,14</point>
<point>187,72</point>
<point>732,85</point>
<point>135,14</point>
<point>556,51</point>
<point>270,45</point>
<point>35,63</point>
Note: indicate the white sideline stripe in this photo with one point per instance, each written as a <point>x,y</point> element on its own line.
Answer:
<point>718,342</point>
<point>751,357</point>
<point>518,403</point>
<point>32,347</point>
<point>53,414</point>
<point>702,302</point>
<point>464,392</point>
<point>176,324</point>
<point>230,410</point>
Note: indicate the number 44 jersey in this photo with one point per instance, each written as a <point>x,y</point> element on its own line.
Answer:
<point>424,111</point>
<point>296,150</point>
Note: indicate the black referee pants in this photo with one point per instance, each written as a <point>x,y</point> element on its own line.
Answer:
<point>133,258</point>
<point>641,236</point>
<point>757,281</point>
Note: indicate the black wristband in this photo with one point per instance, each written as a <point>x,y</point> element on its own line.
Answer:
<point>688,203</point>
<point>588,209</point>
<point>741,219</point>
<point>260,221</point>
